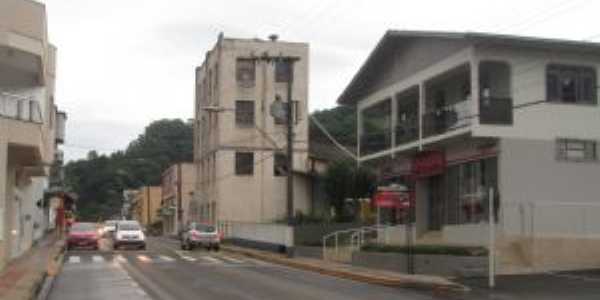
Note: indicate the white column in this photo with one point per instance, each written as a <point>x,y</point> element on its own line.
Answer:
<point>474,65</point>
<point>421,113</point>
<point>394,120</point>
<point>4,239</point>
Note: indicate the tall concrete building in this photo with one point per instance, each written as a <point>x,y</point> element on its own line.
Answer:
<point>28,123</point>
<point>239,147</point>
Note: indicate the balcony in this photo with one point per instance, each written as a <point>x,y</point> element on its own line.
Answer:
<point>447,118</point>
<point>20,108</point>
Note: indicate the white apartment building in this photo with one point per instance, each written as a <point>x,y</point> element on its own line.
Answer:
<point>239,148</point>
<point>28,123</point>
<point>451,115</point>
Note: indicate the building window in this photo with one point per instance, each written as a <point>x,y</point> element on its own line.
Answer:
<point>571,84</point>
<point>295,112</point>
<point>244,163</point>
<point>282,71</point>
<point>576,150</point>
<point>280,165</point>
<point>245,72</point>
<point>244,113</point>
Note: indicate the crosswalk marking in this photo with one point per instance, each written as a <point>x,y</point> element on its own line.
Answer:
<point>120,258</point>
<point>231,259</point>
<point>188,258</point>
<point>166,258</point>
<point>97,258</point>
<point>143,258</point>
<point>74,259</point>
<point>211,259</point>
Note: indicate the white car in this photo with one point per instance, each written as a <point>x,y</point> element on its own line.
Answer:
<point>129,233</point>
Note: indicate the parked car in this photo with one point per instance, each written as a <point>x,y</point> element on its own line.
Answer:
<point>109,227</point>
<point>129,233</point>
<point>198,234</point>
<point>83,235</point>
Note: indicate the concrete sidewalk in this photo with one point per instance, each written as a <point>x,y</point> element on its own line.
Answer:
<point>23,277</point>
<point>361,274</point>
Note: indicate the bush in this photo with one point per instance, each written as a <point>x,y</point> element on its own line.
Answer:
<point>428,249</point>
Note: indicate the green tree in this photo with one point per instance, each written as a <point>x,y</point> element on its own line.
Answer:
<point>100,179</point>
<point>343,180</point>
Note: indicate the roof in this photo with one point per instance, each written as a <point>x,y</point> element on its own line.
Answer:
<point>475,38</point>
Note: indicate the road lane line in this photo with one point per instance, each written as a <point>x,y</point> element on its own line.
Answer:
<point>97,259</point>
<point>166,258</point>
<point>188,258</point>
<point>120,258</point>
<point>212,259</point>
<point>74,259</point>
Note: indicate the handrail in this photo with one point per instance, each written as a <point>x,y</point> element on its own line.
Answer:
<point>356,238</point>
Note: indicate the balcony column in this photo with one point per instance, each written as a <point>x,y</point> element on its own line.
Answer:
<point>474,66</point>
<point>4,250</point>
<point>359,130</point>
<point>394,121</point>
<point>421,113</point>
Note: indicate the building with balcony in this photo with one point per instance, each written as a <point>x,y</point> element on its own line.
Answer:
<point>177,184</point>
<point>239,146</point>
<point>453,115</point>
<point>29,121</point>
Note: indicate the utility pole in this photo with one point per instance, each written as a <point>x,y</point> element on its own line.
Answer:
<point>290,142</point>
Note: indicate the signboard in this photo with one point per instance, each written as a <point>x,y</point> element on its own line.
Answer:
<point>429,163</point>
<point>392,199</point>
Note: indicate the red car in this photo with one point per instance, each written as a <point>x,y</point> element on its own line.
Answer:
<point>83,235</point>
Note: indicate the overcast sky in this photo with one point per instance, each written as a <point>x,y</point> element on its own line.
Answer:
<point>125,63</point>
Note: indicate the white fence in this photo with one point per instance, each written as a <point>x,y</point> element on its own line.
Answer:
<point>277,234</point>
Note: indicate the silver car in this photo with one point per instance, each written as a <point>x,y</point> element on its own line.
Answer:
<point>198,234</point>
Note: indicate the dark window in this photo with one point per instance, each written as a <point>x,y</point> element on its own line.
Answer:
<point>244,163</point>
<point>280,165</point>
<point>576,150</point>
<point>244,72</point>
<point>244,113</point>
<point>282,71</point>
<point>571,84</point>
<point>296,112</point>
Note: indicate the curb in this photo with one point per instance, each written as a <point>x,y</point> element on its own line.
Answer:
<point>379,280</point>
<point>44,286</point>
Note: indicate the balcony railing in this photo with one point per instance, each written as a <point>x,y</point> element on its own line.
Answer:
<point>375,142</point>
<point>496,111</point>
<point>20,108</point>
<point>447,118</point>
<point>407,132</point>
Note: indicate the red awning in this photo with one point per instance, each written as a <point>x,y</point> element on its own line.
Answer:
<point>390,199</point>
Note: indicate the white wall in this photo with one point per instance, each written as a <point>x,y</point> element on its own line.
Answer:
<point>528,83</point>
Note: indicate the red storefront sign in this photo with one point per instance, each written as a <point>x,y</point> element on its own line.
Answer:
<point>392,199</point>
<point>429,163</point>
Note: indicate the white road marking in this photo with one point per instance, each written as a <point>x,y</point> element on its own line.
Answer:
<point>166,258</point>
<point>231,259</point>
<point>74,259</point>
<point>120,258</point>
<point>188,258</point>
<point>211,259</point>
<point>143,258</point>
<point>97,259</point>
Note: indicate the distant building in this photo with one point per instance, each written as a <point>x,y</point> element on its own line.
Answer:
<point>451,115</point>
<point>177,191</point>
<point>146,204</point>
<point>239,147</point>
<point>31,127</point>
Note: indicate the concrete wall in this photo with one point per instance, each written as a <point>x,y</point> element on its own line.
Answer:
<point>275,234</point>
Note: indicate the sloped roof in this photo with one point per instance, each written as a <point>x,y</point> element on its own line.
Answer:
<point>391,37</point>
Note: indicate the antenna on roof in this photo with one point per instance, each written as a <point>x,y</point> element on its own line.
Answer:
<point>273,37</point>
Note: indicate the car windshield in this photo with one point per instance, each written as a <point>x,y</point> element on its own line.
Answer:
<point>129,226</point>
<point>83,227</point>
<point>203,227</point>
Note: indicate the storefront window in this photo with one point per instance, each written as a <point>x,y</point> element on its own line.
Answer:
<point>467,191</point>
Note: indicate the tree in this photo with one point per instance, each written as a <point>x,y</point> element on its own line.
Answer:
<point>342,181</point>
<point>100,179</point>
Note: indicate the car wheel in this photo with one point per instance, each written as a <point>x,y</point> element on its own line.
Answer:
<point>69,247</point>
<point>143,247</point>
<point>217,247</point>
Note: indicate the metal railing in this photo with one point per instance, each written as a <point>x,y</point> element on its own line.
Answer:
<point>20,108</point>
<point>448,118</point>
<point>350,240</point>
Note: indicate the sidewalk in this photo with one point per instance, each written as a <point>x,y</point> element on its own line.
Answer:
<point>23,277</point>
<point>361,274</point>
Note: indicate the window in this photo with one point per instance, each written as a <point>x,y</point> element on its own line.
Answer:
<point>244,163</point>
<point>571,84</point>
<point>245,72</point>
<point>282,71</point>
<point>244,113</point>
<point>576,150</point>
<point>280,165</point>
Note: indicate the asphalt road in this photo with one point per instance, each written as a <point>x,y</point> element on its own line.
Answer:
<point>164,272</point>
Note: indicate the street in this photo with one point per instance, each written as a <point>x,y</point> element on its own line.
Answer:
<point>165,272</point>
